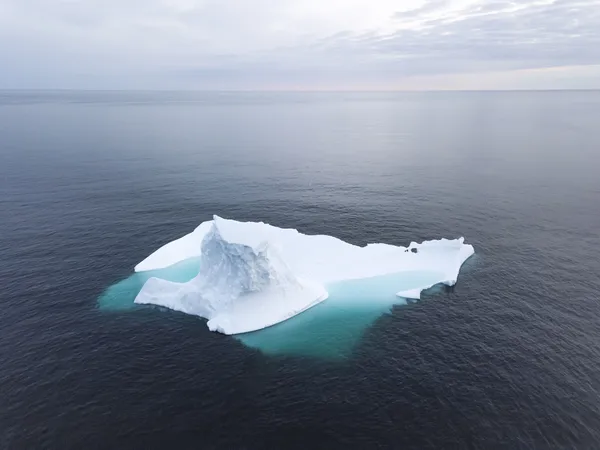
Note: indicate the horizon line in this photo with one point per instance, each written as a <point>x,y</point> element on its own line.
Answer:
<point>307,91</point>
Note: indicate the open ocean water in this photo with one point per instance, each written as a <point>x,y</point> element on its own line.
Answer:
<point>93,182</point>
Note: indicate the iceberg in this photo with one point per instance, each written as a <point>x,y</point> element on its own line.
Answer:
<point>254,275</point>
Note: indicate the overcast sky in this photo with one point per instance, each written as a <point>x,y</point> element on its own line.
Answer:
<point>300,44</point>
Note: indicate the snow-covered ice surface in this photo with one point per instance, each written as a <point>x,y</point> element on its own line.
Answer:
<point>254,275</point>
<point>243,284</point>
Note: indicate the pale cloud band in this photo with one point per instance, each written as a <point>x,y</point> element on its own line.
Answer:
<point>300,44</point>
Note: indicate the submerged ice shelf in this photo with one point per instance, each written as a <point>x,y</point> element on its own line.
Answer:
<point>254,275</point>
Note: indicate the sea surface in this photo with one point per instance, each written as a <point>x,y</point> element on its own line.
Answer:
<point>92,182</point>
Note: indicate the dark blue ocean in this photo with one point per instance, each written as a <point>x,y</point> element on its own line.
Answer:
<point>92,182</point>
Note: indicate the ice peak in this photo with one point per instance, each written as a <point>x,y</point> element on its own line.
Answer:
<point>250,234</point>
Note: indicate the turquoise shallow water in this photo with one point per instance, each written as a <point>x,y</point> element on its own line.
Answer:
<point>329,330</point>
<point>121,295</point>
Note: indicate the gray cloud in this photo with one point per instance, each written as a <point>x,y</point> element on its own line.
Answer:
<point>261,44</point>
<point>494,36</point>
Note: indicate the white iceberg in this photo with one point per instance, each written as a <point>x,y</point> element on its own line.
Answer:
<point>254,275</point>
